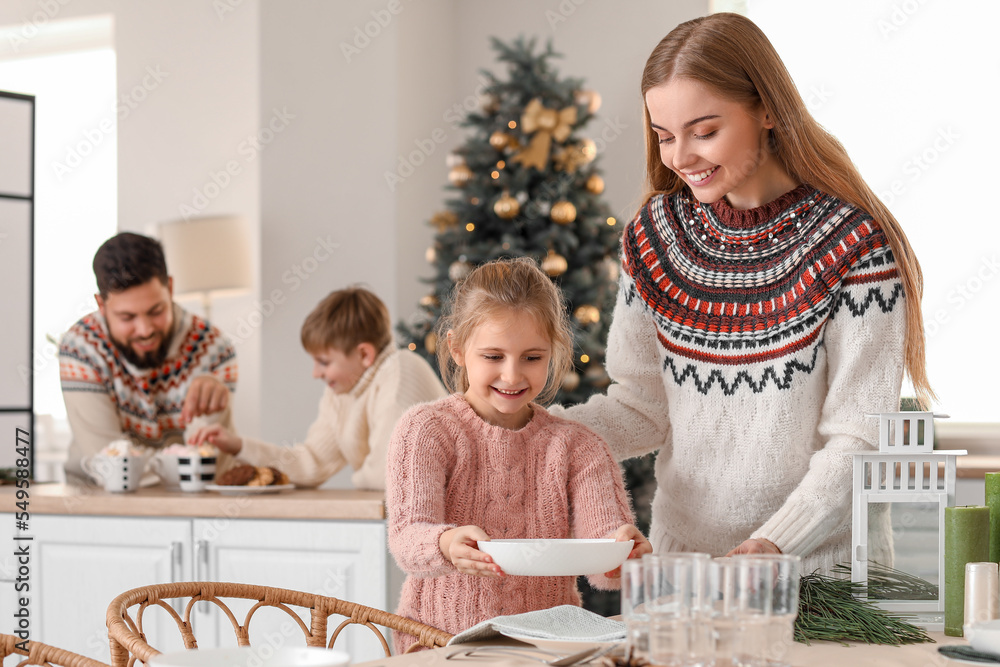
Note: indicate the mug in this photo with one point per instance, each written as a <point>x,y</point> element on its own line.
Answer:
<point>165,467</point>
<point>115,473</point>
<point>195,471</point>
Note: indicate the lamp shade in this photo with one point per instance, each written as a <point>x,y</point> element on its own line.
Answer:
<point>209,253</point>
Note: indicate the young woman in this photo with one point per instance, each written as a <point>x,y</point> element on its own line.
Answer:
<point>768,301</point>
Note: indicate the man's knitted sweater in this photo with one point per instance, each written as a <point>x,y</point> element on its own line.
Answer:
<point>109,398</point>
<point>354,428</point>
<point>448,467</point>
<point>747,346</point>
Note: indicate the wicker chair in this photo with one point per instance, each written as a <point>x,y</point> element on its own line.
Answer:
<point>128,642</point>
<point>43,654</point>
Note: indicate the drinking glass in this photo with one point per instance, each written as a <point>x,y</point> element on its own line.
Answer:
<point>675,600</point>
<point>634,613</point>
<point>785,574</point>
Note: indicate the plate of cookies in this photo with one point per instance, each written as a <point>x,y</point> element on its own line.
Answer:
<point>247,480</point>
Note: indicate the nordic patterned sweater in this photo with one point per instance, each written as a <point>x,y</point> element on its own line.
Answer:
<point>447,467</point>
<point>108,398</point>
<point>747,346</point>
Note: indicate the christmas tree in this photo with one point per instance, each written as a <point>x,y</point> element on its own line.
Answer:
<point>526,183</point>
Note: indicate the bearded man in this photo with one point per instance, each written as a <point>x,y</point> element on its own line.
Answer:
<point>140,367</point>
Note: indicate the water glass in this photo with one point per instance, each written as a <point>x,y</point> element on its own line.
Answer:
<point>784,580</point>
<point>634,613</point>
<point>675,597</point>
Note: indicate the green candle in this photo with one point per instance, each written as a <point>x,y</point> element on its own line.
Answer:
<point>966,540</point>
<point>993,502</point>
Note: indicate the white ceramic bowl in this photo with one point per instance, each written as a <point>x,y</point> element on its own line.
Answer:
<point>556,558</point>
<point>984,636</point>
<point>253,656</point>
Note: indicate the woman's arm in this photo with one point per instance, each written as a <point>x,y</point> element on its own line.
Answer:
<point>864,343</point>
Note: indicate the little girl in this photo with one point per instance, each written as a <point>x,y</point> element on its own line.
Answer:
<point>489,462</point>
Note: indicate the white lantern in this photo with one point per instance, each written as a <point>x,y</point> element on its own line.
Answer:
<point>900,493</point>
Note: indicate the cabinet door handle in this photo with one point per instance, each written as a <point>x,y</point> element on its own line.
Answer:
<point>201,567</point>
<point>176,572</point>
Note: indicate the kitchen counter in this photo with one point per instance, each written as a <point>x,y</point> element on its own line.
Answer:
<point>156,501</point>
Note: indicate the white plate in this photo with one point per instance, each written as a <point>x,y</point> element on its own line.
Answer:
<point>258,656</point>
<point>247,490</point>
<point>558,645</point>
<point>557,558</point>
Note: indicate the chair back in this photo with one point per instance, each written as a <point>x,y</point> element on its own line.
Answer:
<point>43,654</point>
<point>129,642</point>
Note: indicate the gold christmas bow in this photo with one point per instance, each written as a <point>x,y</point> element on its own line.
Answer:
<point>545,124</point>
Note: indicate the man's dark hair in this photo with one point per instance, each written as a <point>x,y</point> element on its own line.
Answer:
<point>128,260</point>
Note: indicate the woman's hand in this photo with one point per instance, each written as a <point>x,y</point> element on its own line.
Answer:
<point>641,546</point>
<point>459,546</point>
<point>217,435</point>
<point>756,546</point>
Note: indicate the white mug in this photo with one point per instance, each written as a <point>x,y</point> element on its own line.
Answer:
<point>165,467</point>
<point>115,473</point>
<point>195,472</point>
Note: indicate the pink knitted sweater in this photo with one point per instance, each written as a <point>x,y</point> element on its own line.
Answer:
<point>447,467</point>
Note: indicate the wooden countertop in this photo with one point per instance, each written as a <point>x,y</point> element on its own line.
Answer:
<point>45,498</point>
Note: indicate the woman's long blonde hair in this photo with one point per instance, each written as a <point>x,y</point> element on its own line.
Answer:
<point>506,288</point>
<point>731,55</point>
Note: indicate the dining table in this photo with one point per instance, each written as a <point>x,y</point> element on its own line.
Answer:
<point>816,654</point>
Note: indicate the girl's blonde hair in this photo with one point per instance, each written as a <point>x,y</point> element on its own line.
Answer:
<point>731,55</point>
<point>506,287</point>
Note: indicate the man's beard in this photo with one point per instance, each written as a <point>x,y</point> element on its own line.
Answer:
<point>148,360</point>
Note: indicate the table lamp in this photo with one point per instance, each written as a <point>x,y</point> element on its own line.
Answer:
<point>207,254</point>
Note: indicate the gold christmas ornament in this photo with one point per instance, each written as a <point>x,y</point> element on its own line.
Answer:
<point>431,255</point>
<point>571,158</point>
<point>459,175</point>
<point>595,184</point>
<point>430,301</point>
<point>554,264</point>
<point>587,314</point>
<point>431,342</point>
<point>546,125</point>
<point>588,98</point>
<point>563,212</point>
<point>571,381</point>
<point>506,207</point>
<point>499,140</point>
<point>597,376</point>
<point>442,220</point>
<point>588,148</point>
<point>459,271</point>
<point>454,159</point>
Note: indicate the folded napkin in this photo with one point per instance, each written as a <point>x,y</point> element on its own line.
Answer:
<point>565,622</point>
<point>960,652</point>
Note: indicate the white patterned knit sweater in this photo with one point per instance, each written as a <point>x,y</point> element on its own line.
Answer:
<point>746,347</point>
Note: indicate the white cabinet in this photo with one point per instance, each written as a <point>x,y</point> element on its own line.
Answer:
<point>344,559</point>
<point>79,564</point>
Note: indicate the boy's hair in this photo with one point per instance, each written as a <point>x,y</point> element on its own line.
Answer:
<point>502,287</point>
<point>345,319</point>
<point>128,260</point>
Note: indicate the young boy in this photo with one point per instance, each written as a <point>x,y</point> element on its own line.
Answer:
<point>370,384</point>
